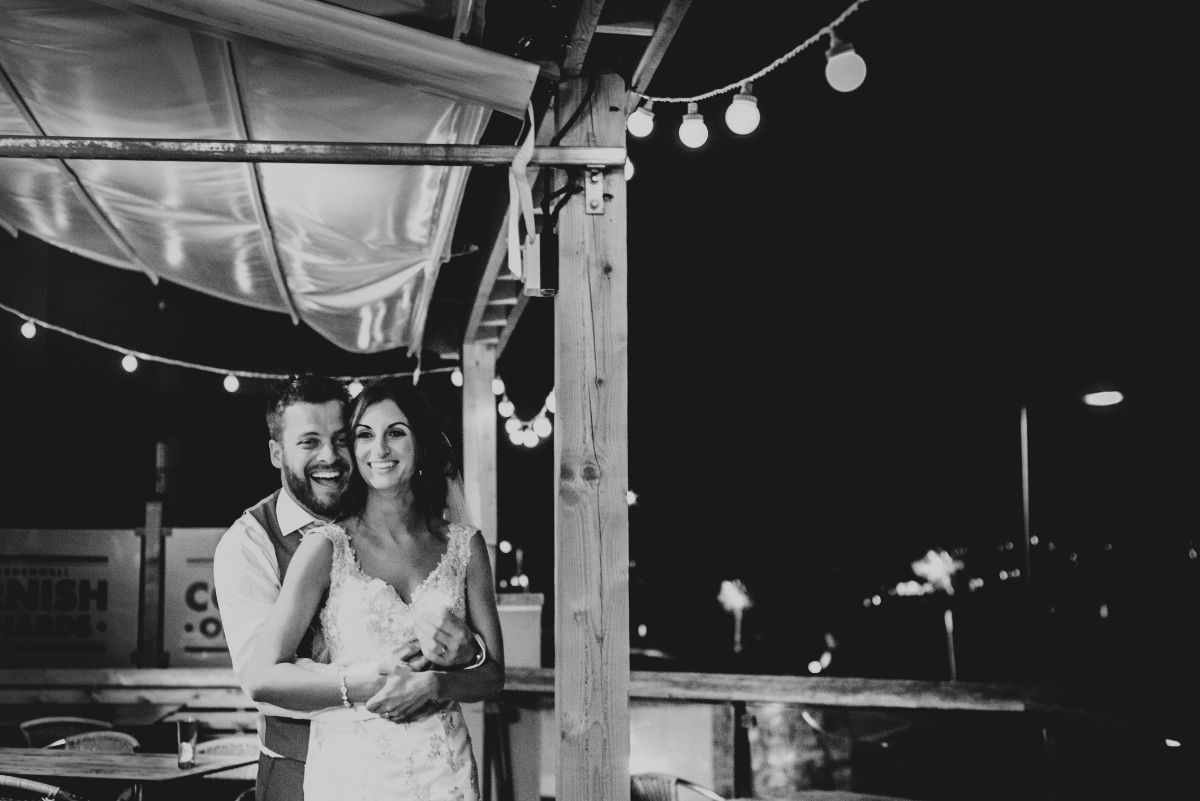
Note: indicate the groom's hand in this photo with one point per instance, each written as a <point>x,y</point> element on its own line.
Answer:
<point>406,657</point>
<point>404,694</point>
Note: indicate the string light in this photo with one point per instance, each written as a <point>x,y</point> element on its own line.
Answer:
<point>628,169</point>
<point>231,383</point>
<point>132,358</point>
<point>692,131</point>
<point>641,121</point>
<point>28,330</point>
<point>844,69</point>
<point>456,377</point>
<point>742,116</point>
<point>497,386</point>
<point>531,432</point>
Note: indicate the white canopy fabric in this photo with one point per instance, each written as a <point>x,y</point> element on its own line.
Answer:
<point>351,250</point>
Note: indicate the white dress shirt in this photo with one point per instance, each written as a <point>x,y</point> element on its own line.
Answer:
<point>246,574</point>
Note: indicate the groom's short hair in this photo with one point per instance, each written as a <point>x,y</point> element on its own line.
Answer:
<point>302,388</point>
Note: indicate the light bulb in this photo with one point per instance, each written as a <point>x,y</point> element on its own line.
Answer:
<point>505,546</point>
<point>530,438</point>
<point>550,402</point>
<point>1109,397</point>
<point>641,121</point>
<point>29,330</point>
<point>516,437</point>
<point>692,131</point>
<point>844,69</point>
<point>231,383</point>
<point>505,408</point>
<point>542,426</point>
<point>742,115</point>
<point>628,169</point>
<point>354,387</point>
<point>130,362</point>
<point>497,386</point>
<point>512,425</point>
<point>456,377</point>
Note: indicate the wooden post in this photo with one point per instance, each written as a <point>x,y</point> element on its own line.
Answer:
<point>479,440</point>
<point>591,532</point>
<point>150,634</point>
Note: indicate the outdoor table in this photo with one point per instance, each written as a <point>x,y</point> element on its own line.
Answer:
<point>140,768</point>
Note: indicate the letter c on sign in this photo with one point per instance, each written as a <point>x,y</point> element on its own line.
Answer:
<point>196,596</point>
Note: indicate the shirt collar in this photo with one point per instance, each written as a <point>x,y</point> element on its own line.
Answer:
<point>292,516</point>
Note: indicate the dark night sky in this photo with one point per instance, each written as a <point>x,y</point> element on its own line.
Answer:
<point>833,324</point>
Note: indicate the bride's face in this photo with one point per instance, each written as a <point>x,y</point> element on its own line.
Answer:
<point>384,446</point>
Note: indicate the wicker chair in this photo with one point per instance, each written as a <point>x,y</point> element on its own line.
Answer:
<point>14,788</point>
<point>665,787</point>
<point>108,742</point>
<point>39,732</point>
<point>240,744</point>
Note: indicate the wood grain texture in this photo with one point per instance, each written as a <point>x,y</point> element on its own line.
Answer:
<point>591,455</point>
<point>146,767</point>
<point>479,439</point>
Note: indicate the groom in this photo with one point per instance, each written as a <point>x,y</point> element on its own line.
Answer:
<point>309,445</point>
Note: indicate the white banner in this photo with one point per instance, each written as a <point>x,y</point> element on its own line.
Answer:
<point>192,634</point>
<point>69,598</point>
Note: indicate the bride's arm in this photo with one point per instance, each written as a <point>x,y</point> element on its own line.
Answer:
<point>273,677</point>
<point>411,691</point>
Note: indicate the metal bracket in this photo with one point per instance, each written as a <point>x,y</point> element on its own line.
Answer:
<point>593,190</point>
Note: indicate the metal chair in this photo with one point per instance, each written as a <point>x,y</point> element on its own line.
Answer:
<point>665,787</point>
<point>39,732</point>
<point>107,742</point>
<point>14,788</point>
<point>240,744</point>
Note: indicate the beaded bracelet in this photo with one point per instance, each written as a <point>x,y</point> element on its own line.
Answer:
<point>345,691</point>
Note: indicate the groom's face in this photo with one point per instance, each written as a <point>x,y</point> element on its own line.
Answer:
<point>312,455</point>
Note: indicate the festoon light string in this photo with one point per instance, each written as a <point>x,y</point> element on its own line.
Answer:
<point>29,329</point>
<point>845,71</point>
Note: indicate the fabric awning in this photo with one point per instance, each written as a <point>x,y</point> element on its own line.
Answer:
<point>351,250</point>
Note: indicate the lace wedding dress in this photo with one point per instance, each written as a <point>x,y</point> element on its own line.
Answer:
<point>362,757</point>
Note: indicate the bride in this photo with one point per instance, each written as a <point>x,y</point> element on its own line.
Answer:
<point>391,567</point>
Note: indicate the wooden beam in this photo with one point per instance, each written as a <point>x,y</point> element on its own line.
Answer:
<point>581,37</point>
<point>632,28</point>
<point>71,147</point>
<point>479,440</point>
<point>656,48</point>
<point>591,479</point>
<point>510,323</point>
<point>498,255</point>
<point>150,617</point>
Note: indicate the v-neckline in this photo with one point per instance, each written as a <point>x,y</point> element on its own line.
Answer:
<point>420,585</point>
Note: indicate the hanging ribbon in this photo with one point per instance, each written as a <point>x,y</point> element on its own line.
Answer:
<point>520,202</point>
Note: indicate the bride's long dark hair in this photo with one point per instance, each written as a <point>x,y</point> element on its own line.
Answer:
<point>435,458</point>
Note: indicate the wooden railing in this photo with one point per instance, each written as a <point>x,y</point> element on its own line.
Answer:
<point>215,689</point>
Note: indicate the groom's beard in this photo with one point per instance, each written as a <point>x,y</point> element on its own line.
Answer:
<point>322,500</point>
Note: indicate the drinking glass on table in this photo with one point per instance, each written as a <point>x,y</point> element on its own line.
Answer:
<point>187,733</point>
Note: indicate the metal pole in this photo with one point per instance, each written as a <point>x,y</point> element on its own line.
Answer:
<point>67,147</point>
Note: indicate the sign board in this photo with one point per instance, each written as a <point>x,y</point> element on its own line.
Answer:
<point>192,633</point>
<point>69,598</point>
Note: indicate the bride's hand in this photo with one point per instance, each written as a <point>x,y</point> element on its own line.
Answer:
<point>445,639</point>
<point>403,695</point>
